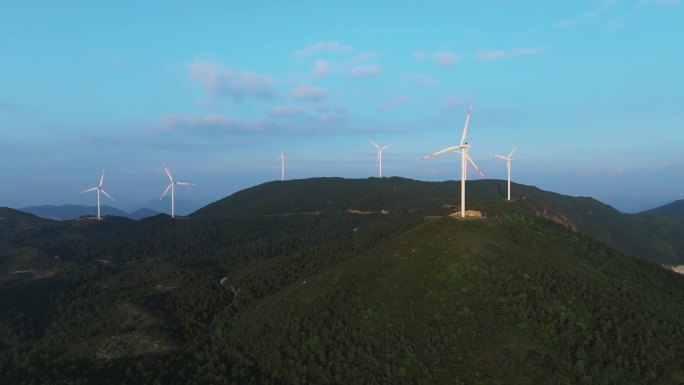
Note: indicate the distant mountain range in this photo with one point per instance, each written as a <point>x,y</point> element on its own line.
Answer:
<point>68,212</point>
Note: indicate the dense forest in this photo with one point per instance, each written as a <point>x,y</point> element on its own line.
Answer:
<point>332,281</point>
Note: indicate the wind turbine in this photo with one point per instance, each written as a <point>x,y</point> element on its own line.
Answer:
<point>465,158</point>
<point>99,190</point>
<point>172,185</point>
<point>378,159</point>
<point>508,160</point>
<point>282,165</point>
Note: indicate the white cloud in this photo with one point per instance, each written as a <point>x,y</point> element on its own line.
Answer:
<point>363,56</point>
<point>588,17</point>
<point>505,54</point>
<point>287,111</point>
<point>394,102</point>
<point>419,55</point>
<point>217,79</point>
<point>322,68</point>
<point>421,80</point>
<point>441,57</point>
<point>446,58</point>
<point>663,3</point>
<point>210,125</point>
<point>308,92</point>
<point>330,47</point>
<point>453,101</point>
<point>365,71</point>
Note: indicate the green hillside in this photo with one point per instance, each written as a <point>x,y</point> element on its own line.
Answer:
<point>338,281</point>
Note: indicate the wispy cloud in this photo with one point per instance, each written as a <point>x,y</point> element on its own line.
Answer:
<point>366,71</point>
<point>505,54</point>
<point>441,57</point>
<point>5,105</point>
<point>616,23</point>
<point>588,17</point>
<point>328,47</point>
<point>217,79</point>
<point>210,125</point>
<point>311,117</point>
<point>288,111</point>
<point>663,3</point>
<point>395,102</point>
<point>453,101</point>
<point>363,56</point>
<point>420,80</point>
<point>322,68</point>
<point>307,92</point>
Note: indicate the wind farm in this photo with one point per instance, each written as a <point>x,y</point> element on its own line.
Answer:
<point>284,250</point>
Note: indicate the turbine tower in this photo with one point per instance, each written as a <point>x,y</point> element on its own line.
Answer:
<point>172,185</point>
<point>465,158</point>
<point>99,190</point>
<point>378,159</point>
<point>508,160</point>
<point>282,165</point>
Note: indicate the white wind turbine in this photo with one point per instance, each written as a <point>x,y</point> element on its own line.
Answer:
<point>508,160</point>
<point>99,190</point>
<point>465,157</point>
<point>378,159</point>
<point>172,185</point>
<point>282,165</point>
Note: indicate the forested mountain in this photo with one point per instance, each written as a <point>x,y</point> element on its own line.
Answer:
<point>338,281</point>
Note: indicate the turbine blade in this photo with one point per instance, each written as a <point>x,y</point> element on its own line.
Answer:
<point>465,128</point>
<point>374,144</point>
<point>167,172</point>
<point>386,147</point>
<point>377,158</point>
<point>500,156</point>
<point>107,195</point>
<point>89,190</point>
<point>452,148</point>
<point>184,184</point>
<point>101,179</point>
<point>474,165</point>
<point>512,151</point>
<point>167,190</point>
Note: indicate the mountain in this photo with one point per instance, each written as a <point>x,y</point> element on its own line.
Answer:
<point>675,208</point>
<point>183,206</point>
<point>67,212</point>
<point>341,281</point>
<point>655,239</point>
<point>142,213</point>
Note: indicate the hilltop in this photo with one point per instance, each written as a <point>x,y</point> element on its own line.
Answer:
<point>330,280</point>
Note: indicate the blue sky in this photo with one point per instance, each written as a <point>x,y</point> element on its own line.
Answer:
<point>590,91</point>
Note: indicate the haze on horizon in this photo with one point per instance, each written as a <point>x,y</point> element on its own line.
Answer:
<point>590,91</point>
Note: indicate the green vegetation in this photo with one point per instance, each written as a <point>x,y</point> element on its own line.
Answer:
<point>341,282</point>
